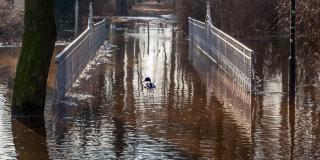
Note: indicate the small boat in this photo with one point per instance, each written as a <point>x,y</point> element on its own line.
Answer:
<point>149,84</point>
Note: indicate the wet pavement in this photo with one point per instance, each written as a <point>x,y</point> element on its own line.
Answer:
<point>196,112</point>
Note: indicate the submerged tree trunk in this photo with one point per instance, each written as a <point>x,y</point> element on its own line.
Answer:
<point>30,138</point>
<point>37,48</point>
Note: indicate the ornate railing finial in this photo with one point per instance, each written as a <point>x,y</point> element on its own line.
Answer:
<point>208,14</point>
<point>90,19</point>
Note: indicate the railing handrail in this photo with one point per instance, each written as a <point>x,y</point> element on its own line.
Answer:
<point>233,39</point>
<point>66,52</point>
<point>74,58</point>
<point>230,54</point>
<point>194,20</point>
<point>224,34</point>
<point>99,24</point>
<point>247,56</point>
<point>61,57</point>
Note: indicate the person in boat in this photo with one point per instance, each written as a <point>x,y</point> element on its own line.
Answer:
<point>149,83</point>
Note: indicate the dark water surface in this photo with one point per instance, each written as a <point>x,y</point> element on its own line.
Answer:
<point>196,112</point>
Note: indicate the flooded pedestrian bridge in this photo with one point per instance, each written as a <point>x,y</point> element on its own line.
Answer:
<point>112,116</point>
<point>196,112</point>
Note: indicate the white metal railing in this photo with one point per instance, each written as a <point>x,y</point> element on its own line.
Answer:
<point>231,55</point>
<point>74,58</point>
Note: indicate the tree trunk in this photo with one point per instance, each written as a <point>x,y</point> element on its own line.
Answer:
<point>30,138</point>
<point>37,48</point>
<point>122,7</point>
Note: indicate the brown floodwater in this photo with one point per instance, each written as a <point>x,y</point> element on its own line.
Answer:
<point>196,111</point>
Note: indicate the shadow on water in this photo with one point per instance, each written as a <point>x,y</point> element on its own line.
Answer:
<point>220,85</point>
<point>236,104</point>
<point>24,138</point>
<point>30,138</point>
<point>292,117</point>
<point>119,133</point>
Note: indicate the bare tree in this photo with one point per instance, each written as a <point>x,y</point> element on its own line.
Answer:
<point>241,18</point>
<point>308,15</point>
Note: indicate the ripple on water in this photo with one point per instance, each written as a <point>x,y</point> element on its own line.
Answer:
<point>7,149</point>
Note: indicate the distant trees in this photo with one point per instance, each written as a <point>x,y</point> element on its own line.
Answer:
<point>189,8</point>
<point>308,16</point>
<point>255,17</point>
<point>122,7</point>
<point>104,7</point>
<point>241,18</point>
<point>11,22</point>
<point>246,17</point>
<point>308,33</point>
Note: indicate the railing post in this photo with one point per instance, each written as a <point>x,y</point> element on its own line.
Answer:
<point>253,74</point>
<point>208,18</point>
<point>90,19</point>
<point>91,30</point>
<point>76,18</point>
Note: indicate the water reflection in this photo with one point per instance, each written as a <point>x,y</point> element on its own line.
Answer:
<point>115,117</point>
<point>8,61</point>
<point>221,86</point>
<point>7,148</point>
<point>292,117</point>
<point>282,124</point>
<point>22,138</point>
<point>30,138</point>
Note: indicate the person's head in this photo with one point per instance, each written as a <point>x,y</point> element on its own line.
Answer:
<point>147,79</point>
